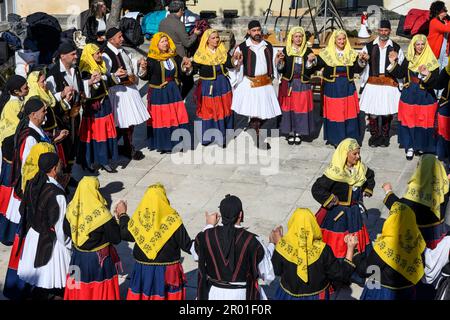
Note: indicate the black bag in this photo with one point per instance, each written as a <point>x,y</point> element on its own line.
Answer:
<point>132,32</point>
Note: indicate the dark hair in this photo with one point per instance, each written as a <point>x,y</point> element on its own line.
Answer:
<point>436,8</point>
<point>93,10</point>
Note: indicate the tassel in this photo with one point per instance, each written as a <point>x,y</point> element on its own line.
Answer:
<point>290,91</point>
<point>211,89</point>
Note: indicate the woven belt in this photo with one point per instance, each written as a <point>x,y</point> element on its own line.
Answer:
<point>382,80</point>
<point>260,81</point>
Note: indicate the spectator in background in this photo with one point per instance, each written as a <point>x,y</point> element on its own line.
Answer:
<point>95,27</point>
<point>173,26</point>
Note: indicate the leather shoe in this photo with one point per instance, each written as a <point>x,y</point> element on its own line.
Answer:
<point>108,168</point>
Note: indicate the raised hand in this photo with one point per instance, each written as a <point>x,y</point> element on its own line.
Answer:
<point>393,56</point>
<point>311,57</point>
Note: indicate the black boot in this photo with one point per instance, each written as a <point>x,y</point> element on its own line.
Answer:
<point>385,129</point>
<point>374,132</point>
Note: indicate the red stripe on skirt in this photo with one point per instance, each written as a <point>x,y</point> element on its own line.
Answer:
<point>444,127</point>
<point>104,290</point>
<point>179,295</point>
<point>168,115</point>
<point>14,257</point>
<point>215,108</point>
<point>412,115</point>
<point>5,195</point>
<point>97,129</point>
<point>299,102</point>
<point>336,241</point>
<point>341,109</point>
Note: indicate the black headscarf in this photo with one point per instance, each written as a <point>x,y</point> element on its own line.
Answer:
<point>254,24</point>
<point>29,212</point>
<point>111,32</point>
<point>230,208</point>
<point>15,82</point>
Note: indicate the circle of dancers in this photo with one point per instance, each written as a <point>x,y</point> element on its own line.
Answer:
<point>76,112</point>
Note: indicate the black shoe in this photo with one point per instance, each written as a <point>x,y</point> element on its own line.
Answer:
<point>409,154</point>
<point>108,168</point>
<point>137,155</point>
<point>298,140</point>
<point>384,142</point>
<point>290,140</point>
<point>374,141</point>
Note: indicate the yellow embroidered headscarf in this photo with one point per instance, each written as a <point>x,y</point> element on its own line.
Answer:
<point>154,221</point>
<point>36,90</point>
<point>337,170</point>
<point>290,48</point>
<point>8,119</point>
<point>30,166</point>
<point>401,244</point>
<point>302,244</point>
<point>205,56</point>
<point>87,211</point>
<point>155,53</point>
<point>330,56</point>
<point>429,184</point>
<point>426,58</point>
<point>87,61</point>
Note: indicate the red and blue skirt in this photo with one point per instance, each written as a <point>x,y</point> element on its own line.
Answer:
<point>384,293</point>
<point>157,282</point>
<point>443,133</point>
<point>14,287</point>
<point>282,294</point>
<point>214,99</point>
<point>433,234</point>
<point>296,102</point>
<point>95,276</point>
<point>416,116</point>
<point>340,109</point>
<point>168,113</point>
<point>8,229</point>
<point>339,221</point>
<point>98,136</point>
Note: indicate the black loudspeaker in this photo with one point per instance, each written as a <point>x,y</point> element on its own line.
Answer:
<point>205,14</point>
<point>230,14</point>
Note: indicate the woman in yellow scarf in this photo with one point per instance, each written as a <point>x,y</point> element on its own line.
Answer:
<point>418,104</point>
<point>340,99</point>
<point>295,63</point>
<point>37,85</point>
<point>427,195</point>
<point>306,265</point>
<point>340,192</point>
<point>397,255</point>
<point>98,135</point>
<point>11,102</point>
<point>213,93</point>
<point>160,236</point>
<point>94,233</point>
<point>162,70</point>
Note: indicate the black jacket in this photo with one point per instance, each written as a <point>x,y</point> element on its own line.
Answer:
<point>209,72</point>
<point>156,71</point>
<point>287,70</point>
<point>329,73</point>
<point>325,271</point>
<point>402,71</point>
<point>90,29</point>
<point>324,188</point>
<point>424,216</point>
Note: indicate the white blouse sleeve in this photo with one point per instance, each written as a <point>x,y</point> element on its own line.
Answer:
<point>265,267</point>
<point>436,259</point>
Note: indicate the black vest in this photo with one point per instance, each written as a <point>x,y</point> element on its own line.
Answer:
<point>250,59</point>
<point>60,82</point>
<point>116,60</point>
<point>374,61</point>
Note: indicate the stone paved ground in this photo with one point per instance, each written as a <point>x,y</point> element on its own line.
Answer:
<point>268,200</point>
